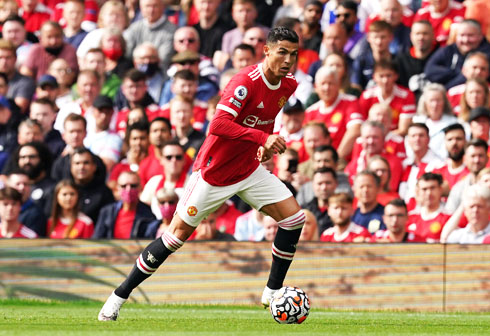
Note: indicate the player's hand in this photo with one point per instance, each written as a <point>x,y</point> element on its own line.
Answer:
<point>264,155</point>
<point>275,143</point>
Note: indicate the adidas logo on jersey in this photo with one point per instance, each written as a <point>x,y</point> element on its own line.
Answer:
<point>261,105</point>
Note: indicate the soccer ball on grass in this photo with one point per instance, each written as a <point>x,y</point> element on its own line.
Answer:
<point>290,305</point>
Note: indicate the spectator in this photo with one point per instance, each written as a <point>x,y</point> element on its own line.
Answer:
<point>207,230</point>
<point>315,134</point>
<point>344,231</point>
<point>67,221</point>
<point>9,123</point>
<point>373,143</point>
<point>441,15</point>
<point>136,146</point>
<point>400,99</point>
<point>453,169</point>
<point>480,123</point>
<point>270,228</point>
<point>420,159</point>
<point>381,167</point>
<point>113,46</point>
<point>160,133</point>
<point>127,218</point>
<point>44,111</point>
<point>411,62</point>
<point>476,204</point>
<point>10,205</point>
<point>429,217</point>
<point>88,88</point>
<point>20,88</point>
<point>243,55</point>
<point>250,226</point>
<point>476,95</point>
<point>47,87</point>
<point>287,170</point>
<point>181,117</point>
<point>145,58</point>
<point>14,31</point>
<point>95,60</point>
<point>369,213</point>
<point>65,78</point>
<point>173,175</point>
<point>434,110</point>
<point>324,185</point>
<point>346,14</point>
<point>341,113</point>
<point>294,9</point>
<point>73,14</point>
<point>50,47</point>
<point>104,143</point>
<point>444,66</point>
<point>112,14</point>
<point>29,130</point>
<point>395,217</point>
<point>167,200</point>
<point>310,229</point>
<point>154,28</point>
<point>30,215</point>
<point>379,38</point>
<point>211,26</point>
<point>256,37</point>
<point>334,40</point>
<point>291,126</point>
<point>310,26</point>
<point>34,15</point>
<point>475,66</point>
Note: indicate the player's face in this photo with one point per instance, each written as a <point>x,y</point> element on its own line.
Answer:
<point>324,185</point>
<point>475,158</point>
<point>327,88</point>
<point>340,213</point>
<point>428,193</point>
<point>455,142</point>
<point>67,198</point>
<point>365,189</point>
<point>434,105</point>
<point>476,209</point>
<point>395,218</point>
<point>281,57</point>
<point>9,210</point>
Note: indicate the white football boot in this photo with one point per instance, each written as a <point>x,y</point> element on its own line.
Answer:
<point>267,296</point>
<point>110,309</point>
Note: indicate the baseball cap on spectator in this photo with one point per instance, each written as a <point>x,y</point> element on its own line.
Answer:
<point>478,112</point>
<point>4,102</point>
<point>103,102</point>
<point>293,106</point>
<point>47,80</point>
<point>185,57</point>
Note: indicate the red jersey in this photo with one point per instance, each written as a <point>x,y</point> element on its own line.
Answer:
<point>427,225</point>
<point>343,113</point>
<point>34,20</point>
<point>486,240</point>
<point>83,227</point>
<point>383,236</point>
<point>22,232</point>
<point>407,18</point>
<point>354,233</point>
<point>454,95</point>
<point>199,112</point>
<point>402,103</point>
<point>124,224</point>
<point>152,111</point>
<point>452,175</point>
<point>243,121</point>
<point>441,22</point>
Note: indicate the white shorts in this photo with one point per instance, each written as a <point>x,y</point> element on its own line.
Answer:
<point>200,198</point>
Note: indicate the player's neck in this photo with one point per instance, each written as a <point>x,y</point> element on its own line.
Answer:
<point>269,75</point>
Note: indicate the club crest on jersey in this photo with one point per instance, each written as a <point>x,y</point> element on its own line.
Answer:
<point>282,101</point>
<point>241,92</point>
<point>192,211</point>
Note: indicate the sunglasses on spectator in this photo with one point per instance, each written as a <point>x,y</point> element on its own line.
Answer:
<point>190,40</point>
<point>188,62</point>
<point>176,157</point>
<point>124,186</point>
<point>345,15</point>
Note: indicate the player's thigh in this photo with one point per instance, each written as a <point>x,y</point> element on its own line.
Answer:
<point>282,209</point>
<point>263,189</point>
<point>200,199</point>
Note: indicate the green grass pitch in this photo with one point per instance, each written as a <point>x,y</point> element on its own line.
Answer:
<point>80,318</point>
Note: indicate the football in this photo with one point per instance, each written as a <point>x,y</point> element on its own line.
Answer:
<point>290,305</point>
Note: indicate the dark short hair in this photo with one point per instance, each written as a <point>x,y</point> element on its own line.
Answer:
<point>366,172</point>
<point>10,194</point>
<point>340,197</point>
<point>15,18</point>
<point>45,101</point>
<point>431,177</point>
<point>424,22</point>
<point>326,170</point>
<point>349,4</point>
<point>81,151</point>
<point>74,117</point>
<point>379,26</point>
<point>385,65</point>
<point>327,148</point>
<point>244,47</point>
<point>399,203</point>
<point>134,75</point>
<point>281,33</point>
<point>454,127</point>
<point>477,143</point>
<point>185,74</point>
<point>419,125</point>
<point>162,119</point>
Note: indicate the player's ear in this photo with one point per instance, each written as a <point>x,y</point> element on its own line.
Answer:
<point>267,50</point>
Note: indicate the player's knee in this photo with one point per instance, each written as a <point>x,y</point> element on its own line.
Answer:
<point>294,222</point>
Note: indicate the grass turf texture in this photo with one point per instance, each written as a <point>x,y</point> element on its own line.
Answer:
<point>80,318</point>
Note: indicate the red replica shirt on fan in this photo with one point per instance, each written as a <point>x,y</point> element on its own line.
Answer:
<point>243,121</point>
<point>83,227</point>
<point>152,111</point>
<point>402,103</point>
<point>452,176</point>
<point>441,22</point>
<point>22,232</point>
<point>352,233</point>
<point>343,113</point>
<point>427,225</point>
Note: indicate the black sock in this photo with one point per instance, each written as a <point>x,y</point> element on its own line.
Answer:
<point>283,251</point>
<point>146,264</point>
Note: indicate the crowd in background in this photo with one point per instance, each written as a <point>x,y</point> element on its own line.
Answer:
<point>105,104</point>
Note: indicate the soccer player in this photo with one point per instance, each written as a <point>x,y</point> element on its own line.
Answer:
<point>240,137</point>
